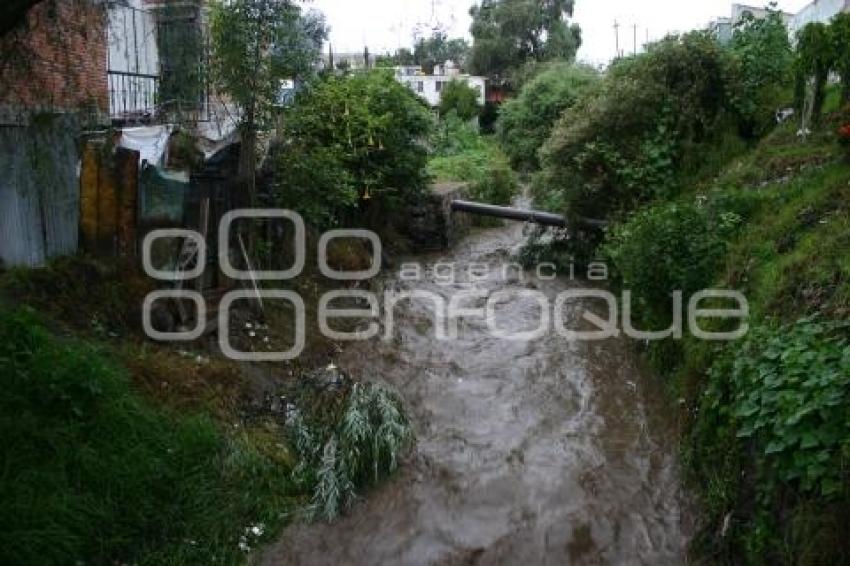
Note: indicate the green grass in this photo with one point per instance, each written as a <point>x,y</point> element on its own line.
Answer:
<point>791,258</point>
<point>92,472</point>
<point>462,155</point>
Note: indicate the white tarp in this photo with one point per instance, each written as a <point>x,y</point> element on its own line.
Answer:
<point>150,141</point>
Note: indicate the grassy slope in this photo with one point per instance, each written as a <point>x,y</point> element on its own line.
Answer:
<point>94,472</point>
<point>792,260</point>
<point>121,450</point>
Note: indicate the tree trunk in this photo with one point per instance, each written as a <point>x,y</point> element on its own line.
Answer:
<point>247,174</point>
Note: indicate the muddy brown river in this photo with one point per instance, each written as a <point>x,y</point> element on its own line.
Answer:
<point>529,452</point>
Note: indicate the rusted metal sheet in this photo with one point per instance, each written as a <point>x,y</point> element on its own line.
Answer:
<point>109,189</point>
<point>107,207</point>
<point>89,173</point>
<point>127,169</point>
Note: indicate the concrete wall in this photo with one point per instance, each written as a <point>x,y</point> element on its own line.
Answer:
<point>430,87</point>
<point>818,11</point>
<point>39,191</point>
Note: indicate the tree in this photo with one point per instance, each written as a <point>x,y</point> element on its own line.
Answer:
<point>460,98</point>
<point>402,58</point>
<point>526,121</point>
<point>256,45</point>
<point>815,59</point>
<point>350,139</point>
<point>625,143</point>
<point>510,33</point>
<point>764,63</point>
<point>841,44</point>
<point>437,49</point>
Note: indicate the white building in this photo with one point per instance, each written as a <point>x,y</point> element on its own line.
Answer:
<point>724,28</point>
<point>819,11</point>
<point>430,87</point>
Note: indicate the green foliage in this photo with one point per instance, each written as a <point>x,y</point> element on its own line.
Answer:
<point>95,474</point>
<point>623,145</point>
<point>841,45</point>
<point>510,33</point>
<point>666,248</point>
<point>437,50</point>
<point>764,69</point>
<point>402,57</point>
<point>792,399</point>
<point>353,449</point>
<point>255,45</point>
<point>815,59</point>
<point>460,98</point>
<point>526,121</point>
<point>779,405</point>
<point>349,135</point>
<point>462,155</point>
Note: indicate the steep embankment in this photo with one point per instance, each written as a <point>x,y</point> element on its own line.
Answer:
<point>768,445</point>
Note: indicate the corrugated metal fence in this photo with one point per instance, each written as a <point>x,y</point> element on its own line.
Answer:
<point>39,191</point>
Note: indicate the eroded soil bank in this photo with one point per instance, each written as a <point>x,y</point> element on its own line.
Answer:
<point>534,452</point>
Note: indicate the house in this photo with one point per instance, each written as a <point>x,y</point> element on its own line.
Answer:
<point>101,101</point>
<point>724,27</point>
<point>821,11</point>
<point>430,87</point>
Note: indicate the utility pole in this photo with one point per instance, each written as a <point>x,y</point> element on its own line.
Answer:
<point>634,34</point>
<point>617,37</point>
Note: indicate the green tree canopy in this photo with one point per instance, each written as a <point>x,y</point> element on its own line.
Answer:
<point>622,145</point>
<point>439,48</point>
<point>510,33</point>
<point>351,138</point>
<point>257,44</point>
<point>815,59</point>
<point>460,98</point>
<point>841,45</point>
<point>765,59</point>
<point>526,121</point>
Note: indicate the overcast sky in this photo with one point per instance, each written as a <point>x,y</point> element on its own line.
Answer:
<point>385,25</point>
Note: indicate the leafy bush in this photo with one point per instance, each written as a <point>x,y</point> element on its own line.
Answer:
<point>815,59</point>
<point>776,415</point>
<point>462,155</point>
<point>841,45</point>
<point>791,397</point>
<point>525,122</point>
<point>346,136</point>
<point>95,474</point>
<point>622,146</point>
<point>666,248</point>
<point>764,63</point>
<point>350,448</point>
<point>460,98</point>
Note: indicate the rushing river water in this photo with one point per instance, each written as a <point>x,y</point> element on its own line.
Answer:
<point>536,452</point>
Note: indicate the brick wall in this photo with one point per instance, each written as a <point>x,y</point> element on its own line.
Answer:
<point>57,59</point>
